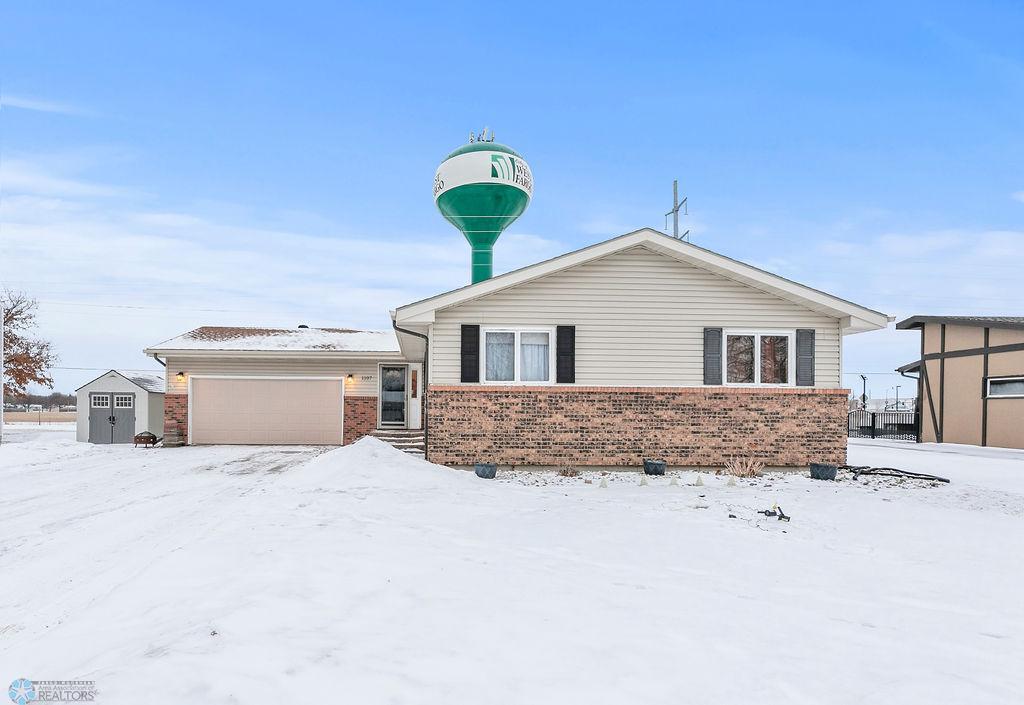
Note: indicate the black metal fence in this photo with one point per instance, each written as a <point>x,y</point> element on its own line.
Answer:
<point>898,425</point>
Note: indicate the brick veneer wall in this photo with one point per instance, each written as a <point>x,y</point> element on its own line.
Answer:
<point>175,418</point>
<point>607,426</point>
<point>360,417</point>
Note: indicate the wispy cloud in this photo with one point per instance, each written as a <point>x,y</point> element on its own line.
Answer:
<point>38,105</point>
<point>19,177</point>
<point>192,266</point>
<point>1018,196</point>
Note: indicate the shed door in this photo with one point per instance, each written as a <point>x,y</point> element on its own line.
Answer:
<point>123,414</point>
<point>255,410</point>
<point>111,417</point>
<point>99,417</point>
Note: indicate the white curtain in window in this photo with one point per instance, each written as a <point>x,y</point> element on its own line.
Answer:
<point>500,353</point>
<point>534,357</point>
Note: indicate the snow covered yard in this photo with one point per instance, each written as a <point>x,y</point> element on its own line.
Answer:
<point>251,575</point>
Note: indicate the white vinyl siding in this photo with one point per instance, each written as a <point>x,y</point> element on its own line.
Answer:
<point>364,371</point>
<point>639,319</point>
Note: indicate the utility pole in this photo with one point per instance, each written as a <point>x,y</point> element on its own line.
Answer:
<point>864,393</point>
<point>897,397</point>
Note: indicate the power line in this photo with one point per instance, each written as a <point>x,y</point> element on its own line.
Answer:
<point>95,369</point>
<point>148,308</point>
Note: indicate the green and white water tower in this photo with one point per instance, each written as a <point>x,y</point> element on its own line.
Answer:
<point>481,188</point>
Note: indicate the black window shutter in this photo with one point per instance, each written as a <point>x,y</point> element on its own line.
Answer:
<point>805,357</point>
<point>565,354</point>
<point>712,356</point>
<point>470,353</point>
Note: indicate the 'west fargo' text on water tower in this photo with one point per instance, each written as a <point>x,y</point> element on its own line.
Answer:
<point>480,188</point>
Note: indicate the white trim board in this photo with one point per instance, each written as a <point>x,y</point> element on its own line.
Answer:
<point>854,318</point>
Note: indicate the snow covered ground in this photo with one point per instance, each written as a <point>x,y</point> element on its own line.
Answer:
<point>360,575</point>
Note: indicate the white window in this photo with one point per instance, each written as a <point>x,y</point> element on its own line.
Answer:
<point>124,401</point>
<point>759,357</point>
<point>1006,387</point>
<point>101,401</point>
<point>517,355</point>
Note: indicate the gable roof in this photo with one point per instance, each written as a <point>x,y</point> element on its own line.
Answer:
<point>978,321</point>
<point>242,339</point>
<point>149,381</point>
<point>855,317</point>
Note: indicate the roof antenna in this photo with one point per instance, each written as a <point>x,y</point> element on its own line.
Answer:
<point>676,205</point>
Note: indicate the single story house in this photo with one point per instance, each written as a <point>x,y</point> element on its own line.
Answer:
<point>970,379</point>
<point>119,404</point>
<point>639,346</point>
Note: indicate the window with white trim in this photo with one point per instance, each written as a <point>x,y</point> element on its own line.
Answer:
<point>1005,387</point>
<point>517,355</point>
<point>759,358</point>
<point>124,401</point>
<point>101,401</point>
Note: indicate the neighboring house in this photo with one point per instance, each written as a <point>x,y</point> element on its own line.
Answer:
<point>970,376</point>
<point>640,346</point>
<point>118,404</point>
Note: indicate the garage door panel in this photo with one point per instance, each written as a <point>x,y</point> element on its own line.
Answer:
<point>266,411</point>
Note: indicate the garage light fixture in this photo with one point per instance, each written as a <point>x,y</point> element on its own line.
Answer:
<point>349,377</point>
<point>180,376</point>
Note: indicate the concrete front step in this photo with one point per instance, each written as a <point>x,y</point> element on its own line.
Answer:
<point>407,440</point>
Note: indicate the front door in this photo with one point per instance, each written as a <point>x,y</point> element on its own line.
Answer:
<point>392,395</point>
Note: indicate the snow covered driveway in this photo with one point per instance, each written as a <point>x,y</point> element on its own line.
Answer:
<point>252,575</point>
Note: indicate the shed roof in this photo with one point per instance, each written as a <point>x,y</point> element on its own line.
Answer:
<point>242,339</point>
<point>978,321</point>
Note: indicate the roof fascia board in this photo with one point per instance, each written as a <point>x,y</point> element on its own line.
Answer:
<point>413,311</point>
<point>312,354</point>
<point>686,252</point>
<point>920,321</point>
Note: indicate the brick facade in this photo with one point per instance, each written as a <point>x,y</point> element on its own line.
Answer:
<point>619,426</point>
<point>175,419</point>
<point>360,417</point>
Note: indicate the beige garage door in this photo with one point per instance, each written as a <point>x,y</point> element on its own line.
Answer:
<point>286,411</point>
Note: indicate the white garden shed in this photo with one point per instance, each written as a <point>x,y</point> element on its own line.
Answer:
<point>119,404</point>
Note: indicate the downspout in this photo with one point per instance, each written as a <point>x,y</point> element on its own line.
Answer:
<point>426,380</point>
<point>159,360</point>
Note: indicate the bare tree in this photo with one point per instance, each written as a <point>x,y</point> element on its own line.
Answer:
<point>26,359</point>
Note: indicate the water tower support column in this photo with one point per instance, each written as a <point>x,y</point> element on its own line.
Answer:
<point>482,264</point>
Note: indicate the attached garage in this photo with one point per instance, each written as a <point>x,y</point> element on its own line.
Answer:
<point>266,410</point>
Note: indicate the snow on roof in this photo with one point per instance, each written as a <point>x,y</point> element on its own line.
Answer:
<point>150,382</point>
<point>281,339</point>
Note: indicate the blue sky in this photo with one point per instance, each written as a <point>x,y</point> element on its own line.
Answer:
<point>238,164</point>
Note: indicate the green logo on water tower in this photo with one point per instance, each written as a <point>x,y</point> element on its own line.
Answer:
<point>500,168</point>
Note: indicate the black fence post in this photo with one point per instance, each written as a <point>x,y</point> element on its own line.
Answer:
<point>872,424</point>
